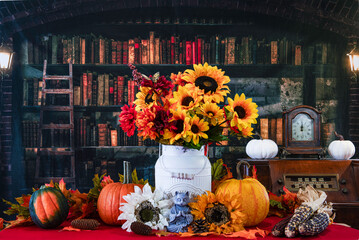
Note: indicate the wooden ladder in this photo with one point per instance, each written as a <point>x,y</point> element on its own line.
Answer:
<point>51,151</point>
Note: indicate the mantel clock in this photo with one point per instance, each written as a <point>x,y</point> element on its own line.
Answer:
<point>302,131</point>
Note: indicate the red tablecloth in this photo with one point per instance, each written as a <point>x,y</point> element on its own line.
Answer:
<point>333,232</point>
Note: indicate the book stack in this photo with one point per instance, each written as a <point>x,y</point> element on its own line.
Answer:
<point>272,128</point>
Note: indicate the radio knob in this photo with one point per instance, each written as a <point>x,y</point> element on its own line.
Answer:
<point>280,181</point>
<point>343,181</point>
<point>345,191</point>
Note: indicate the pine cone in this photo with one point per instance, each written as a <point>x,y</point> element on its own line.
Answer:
<point>141,228</point>
<point>200,226</point>
<point>86,224</point>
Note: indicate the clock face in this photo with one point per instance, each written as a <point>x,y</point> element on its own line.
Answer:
<point>302,128</point>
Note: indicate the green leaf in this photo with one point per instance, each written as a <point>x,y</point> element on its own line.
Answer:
<point>121,177</point>
<point>95,191</point>
<point>217,170</point>
<point>134,176</point>
<point>277,204</point>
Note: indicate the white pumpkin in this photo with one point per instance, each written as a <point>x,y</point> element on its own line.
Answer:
<point>261,149</point>
<point>341,149</point>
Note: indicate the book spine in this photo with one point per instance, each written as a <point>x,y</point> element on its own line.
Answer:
<point>77,95</point>
<point>172,50</point>
<point>273,129</point>
<point>137,59</point>
<point>145,51</point>
<point>125,52</point>
<point>102,50</point>
<point>152,47</point>
<point>119,57</point>
<point>84,89</point>
<point>157,51</point>
<point>115,91</point>
<point>274,52</point>
<point>39,99</point>
<point>100,90</point>
<point>199,50</point>
<point>194,52</point>
<point>94,89</point>
<point>264,128</point>
<point>131,51</point>
<point>120,82</point>
<point>188,52</point>
<point>89,88</point>
<point>111,91</point>
<point>107,90</point>
<point>83,50</point>
<point>113,137</point>
<point>298,55</point>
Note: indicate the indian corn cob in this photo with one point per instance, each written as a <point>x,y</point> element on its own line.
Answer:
<point>301,214</point>
<point>278,229</point>
<point>317,224</point>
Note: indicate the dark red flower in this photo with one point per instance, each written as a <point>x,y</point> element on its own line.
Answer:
<point>127,119</point>
<point>163,85</point>
<point>161,121</point>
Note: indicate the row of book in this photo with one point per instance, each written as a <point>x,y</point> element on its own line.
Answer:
<point>272,128</point>
<point>92,90</point>
<point>216,49</point>
<point>104,90</point>
<point>104,134</point>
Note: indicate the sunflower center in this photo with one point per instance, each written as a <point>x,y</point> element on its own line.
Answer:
<point>206,83</point>
<point>210,113</point>
<point>195,129</point>
<point>187,100</point>
<point>145,212</point>
<point>148,98</point>
<point>240,111</point>
<point>179,126</point>
<point>218,214</point>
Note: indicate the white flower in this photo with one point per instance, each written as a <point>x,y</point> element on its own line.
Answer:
<point>145,206</point>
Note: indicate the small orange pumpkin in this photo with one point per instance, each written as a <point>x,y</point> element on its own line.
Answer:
<point>111,197</point>
<point>252,195</point>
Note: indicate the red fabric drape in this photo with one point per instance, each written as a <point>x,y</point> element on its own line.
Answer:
<point>333,232</point>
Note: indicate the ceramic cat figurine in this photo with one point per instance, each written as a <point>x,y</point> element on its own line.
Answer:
<point>180,214</point>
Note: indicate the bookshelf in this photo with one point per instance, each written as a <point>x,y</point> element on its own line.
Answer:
<point>271,97</point>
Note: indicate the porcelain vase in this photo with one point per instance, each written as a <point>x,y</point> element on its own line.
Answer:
<point>180,169</point>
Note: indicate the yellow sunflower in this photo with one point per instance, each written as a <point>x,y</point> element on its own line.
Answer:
<point>185,99</point>
<point>213,112</point>
<point>182,126</point>
<point>242,112</point>
<point>222,213</point>
<point>144,99</point>
<point>197,128</point>
<point>209,79</point>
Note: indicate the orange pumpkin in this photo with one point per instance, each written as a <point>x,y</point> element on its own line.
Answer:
<point>251,193</point>
<point>110,200</point>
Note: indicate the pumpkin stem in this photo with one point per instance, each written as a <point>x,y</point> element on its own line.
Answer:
<point>259,135</point>
<point>238,167</point>
<point>341,138</point>
<point>126,172</point>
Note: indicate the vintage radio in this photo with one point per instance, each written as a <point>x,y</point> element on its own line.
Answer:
<point>338,178</point>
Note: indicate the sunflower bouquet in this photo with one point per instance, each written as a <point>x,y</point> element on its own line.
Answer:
<point>187,109</point>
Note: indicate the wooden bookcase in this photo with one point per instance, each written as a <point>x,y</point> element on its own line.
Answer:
<point>272,86</point>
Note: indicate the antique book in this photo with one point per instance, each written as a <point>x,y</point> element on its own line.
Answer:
<point>264,128</point>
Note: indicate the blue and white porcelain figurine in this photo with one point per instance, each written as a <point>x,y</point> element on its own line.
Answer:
<point>180,214</point>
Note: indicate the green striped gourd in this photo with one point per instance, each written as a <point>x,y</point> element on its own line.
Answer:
<point>48,207</point>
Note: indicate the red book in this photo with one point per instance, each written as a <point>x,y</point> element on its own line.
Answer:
<point>180,53</point>
<point>172,49</point>
<point>188,52</point>
<point>137,59</point>
<point>89,89</point>
<point>194,53</point>
<point>84,89</point>
<point>131,51</point>
<point>199,50</point>
<point>120,89</point>
<point>115,91</point>
<point>125,52</point>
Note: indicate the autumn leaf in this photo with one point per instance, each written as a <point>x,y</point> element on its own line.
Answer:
<point>1,224</point>
<point>87,209</point>
<point>105,181</point>
<point>220,173</point>
<point>62,187</point>
<point>26,200</point>
<point>51,184</point>
<point>19,221</point>
<point>250,234</point>
<point>71,229</point>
